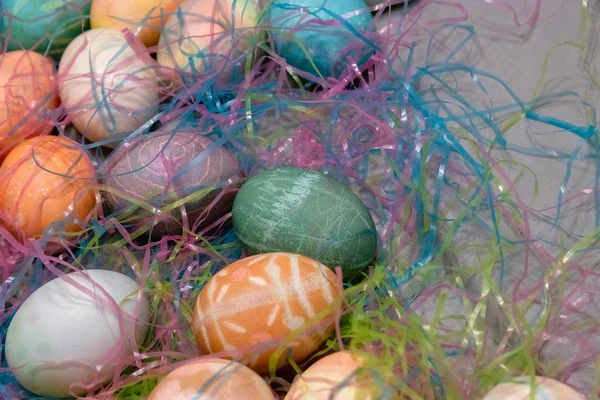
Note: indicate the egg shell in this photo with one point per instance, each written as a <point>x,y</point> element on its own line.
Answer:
<point>327,42</point>
<point>141,17</point>
<point>212,379</point>
<point>334,377</point>
<point>305,212</point>
<point>197,38</point>
<point>520,389</point>
<point>155,167</point>
<point>44,26</point>
<point>45,179</point>
<point>27,90</point>
<point>260,299</point>
<point>61,333</point>
<point>107,88</point>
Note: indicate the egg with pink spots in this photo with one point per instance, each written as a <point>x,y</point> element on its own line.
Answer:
<point>261,300</point>
<point>74,332</point>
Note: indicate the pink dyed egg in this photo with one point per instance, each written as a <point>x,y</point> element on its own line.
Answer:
<point>264,298</point>
<point>545,389</point>
<point>164,167</point>
<point>108,89</point>
<point>213,379</point>
<point>334,377</point>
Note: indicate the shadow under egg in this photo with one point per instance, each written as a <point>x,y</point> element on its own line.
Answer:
<point>207,217</point>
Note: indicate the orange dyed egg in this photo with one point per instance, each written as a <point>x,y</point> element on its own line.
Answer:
<point>212,380</point>
<point>263,299</point>
<point>142,17</point>
<point>27,91</point>
<point>335,377</point>
<point>46,179</point>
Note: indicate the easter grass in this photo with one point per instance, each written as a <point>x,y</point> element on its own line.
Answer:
<point>428,321</point>
<point>402,353</point>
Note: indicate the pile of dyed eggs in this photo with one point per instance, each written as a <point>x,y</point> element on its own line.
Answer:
<point>305,233</point>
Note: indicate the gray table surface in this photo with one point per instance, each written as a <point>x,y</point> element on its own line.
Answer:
<point>516,56</point>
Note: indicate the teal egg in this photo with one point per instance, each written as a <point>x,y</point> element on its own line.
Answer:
<point>45,26</point>
<point>304,212</point>
<point>317,39</point>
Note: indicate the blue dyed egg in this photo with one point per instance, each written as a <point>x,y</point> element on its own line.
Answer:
<point>314,25</point>
<point>45,26</point>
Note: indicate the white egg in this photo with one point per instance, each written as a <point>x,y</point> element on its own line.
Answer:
<point>64,336</point>
<point>107,89</point>
<point>206,37</point>
<point>520,389</point>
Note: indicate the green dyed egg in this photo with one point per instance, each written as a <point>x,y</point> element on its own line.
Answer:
<point>304,212</point>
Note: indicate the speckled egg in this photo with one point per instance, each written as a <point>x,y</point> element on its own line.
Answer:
<point>520,389</point>
<point>263,299</point>
<point>27,92</point>
<point>107,89</point>
<point>144,18</point>
<point>44,180</point>
<point>305,212</point>
<point>311,35</point>
<point>163,167</point>
<point>212,379</point>
<point>334,377</point>
<point>46,26</point>
<point>203,37</point>
<point>75,330</point>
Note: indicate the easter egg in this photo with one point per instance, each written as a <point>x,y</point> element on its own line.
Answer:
<point>44,26</point>
<point>212,379</point>
<point>163,167</point>
<point>305,212</point>
<point>304,33</point>
<point>27,91</point>
<point>75,330</point>
<point>144,18</point>
<point>545,389</point>
<point>203,37</point>
<point>262,299</point>
<point>107,88</point>
<point>334,377</point>
<point>46,179</point>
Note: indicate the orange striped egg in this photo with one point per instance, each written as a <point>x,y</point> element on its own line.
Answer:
<point>263,299</point>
